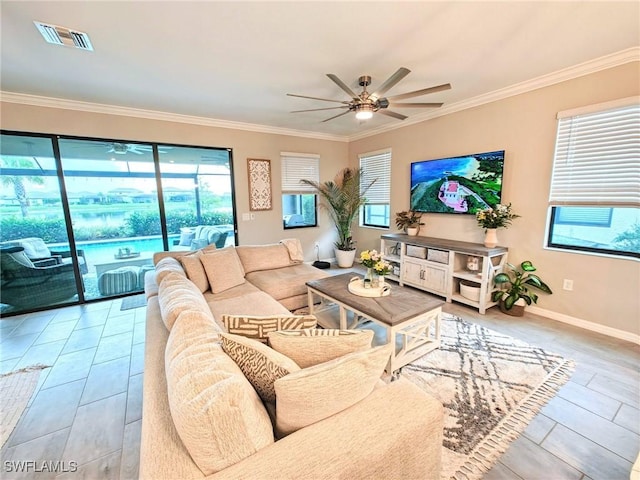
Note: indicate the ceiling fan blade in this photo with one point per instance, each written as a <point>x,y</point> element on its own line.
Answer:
<point>390,82</point>
<point>417,93</point>
<point>317,109</point>
<point>316,98</point>
<point>336,116</point>
<point>389,113</point>
<point>411,105</point>
<point>343,86</point>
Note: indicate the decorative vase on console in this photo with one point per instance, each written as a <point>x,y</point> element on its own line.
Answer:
<point>491,219</point>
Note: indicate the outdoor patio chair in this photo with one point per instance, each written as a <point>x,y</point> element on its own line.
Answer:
<point>28,284</point>
<point>35,249</point>
<point>200,237</point>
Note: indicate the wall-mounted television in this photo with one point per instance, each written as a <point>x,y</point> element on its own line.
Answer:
<point>457,184</point>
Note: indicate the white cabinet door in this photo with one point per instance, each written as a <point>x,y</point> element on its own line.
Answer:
<point>435,278</point>
<point>412,272</point>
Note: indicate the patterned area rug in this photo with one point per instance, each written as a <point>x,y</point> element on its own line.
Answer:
<point>16,389</point>
<point>491,386</point>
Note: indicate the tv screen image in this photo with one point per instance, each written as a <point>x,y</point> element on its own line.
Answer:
<point>457,184</point>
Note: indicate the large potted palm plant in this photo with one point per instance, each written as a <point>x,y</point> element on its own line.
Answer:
<point>342,197</point>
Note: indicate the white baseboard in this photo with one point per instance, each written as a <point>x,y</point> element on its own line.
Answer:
<point>578,322</point>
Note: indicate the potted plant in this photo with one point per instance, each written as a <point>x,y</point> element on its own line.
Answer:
<point>491,219</point>
<point>342,197</point>
<point>515,288</point>
<point>409,221</point>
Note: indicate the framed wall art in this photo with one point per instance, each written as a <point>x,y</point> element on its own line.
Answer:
<point>259,172</point>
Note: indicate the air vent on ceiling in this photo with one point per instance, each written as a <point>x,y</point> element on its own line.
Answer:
<point>64,36</point>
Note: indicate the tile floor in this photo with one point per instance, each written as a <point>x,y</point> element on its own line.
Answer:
<point>87,407</point>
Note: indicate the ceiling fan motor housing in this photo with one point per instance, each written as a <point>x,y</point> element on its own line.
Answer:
<point>364,81</point>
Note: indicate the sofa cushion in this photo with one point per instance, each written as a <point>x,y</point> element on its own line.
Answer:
<point>177,294</point>
<point>166,266</point>
<point>260,364</point>
<point>255,303</point>
<point>216,412</point>
<point>285,282</point>
<point>263,257</point>
<point>258,327</point>
<point>223,268</point>
<point>313,346</point>
<point>315,393</point>
<point>157,256</point>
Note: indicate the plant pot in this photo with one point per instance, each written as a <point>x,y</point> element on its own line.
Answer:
<point>345,258</point>
<point>515,311</point>
<point>413,231</point>
<point>491,238</point>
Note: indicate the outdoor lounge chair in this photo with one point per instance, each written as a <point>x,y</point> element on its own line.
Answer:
<point>35,249</point>
<point>200,237</point>
<point>28,284</point>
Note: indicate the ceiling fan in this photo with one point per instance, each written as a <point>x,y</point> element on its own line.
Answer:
<point>365,103</point>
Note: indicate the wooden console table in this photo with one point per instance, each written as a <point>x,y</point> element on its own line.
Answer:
<point>439,266</point>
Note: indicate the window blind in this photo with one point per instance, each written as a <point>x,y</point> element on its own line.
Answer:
<point>597,158</point>
<point>376,166</point>
<point>295,167</point>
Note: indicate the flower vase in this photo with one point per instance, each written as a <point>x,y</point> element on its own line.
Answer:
<point>368,278</point>
<point>381,281</point>
<point>491,237</point>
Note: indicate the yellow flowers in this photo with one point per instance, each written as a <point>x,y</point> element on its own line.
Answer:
<point>373,259</point>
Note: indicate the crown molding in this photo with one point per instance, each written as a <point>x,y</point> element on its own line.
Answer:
<point>580,70</point>
<point>585,68</point>
<point>51,102</point>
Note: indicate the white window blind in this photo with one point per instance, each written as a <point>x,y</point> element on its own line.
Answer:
<point>295,167</point>
<point>376,166</point>
<point>597,158</point>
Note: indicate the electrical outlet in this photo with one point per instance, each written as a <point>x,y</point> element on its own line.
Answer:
<point>567,284</point>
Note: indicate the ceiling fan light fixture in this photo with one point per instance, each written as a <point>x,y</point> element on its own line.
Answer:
<point>364,112</point>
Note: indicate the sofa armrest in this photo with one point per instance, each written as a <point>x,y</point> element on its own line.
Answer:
<point>396,432</point>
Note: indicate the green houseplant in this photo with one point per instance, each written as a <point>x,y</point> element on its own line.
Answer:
<point>342,197</point>
<point>515,286</point>
<point>409,219</point>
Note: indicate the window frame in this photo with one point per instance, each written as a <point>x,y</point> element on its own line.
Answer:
<point>594,167</point>
<point>379,159</point>
<point>290,187</point>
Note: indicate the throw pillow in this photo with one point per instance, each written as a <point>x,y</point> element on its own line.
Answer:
<point>260,364</point>
<point>223,269</point>
<point>315,393</point>
<point>195,271</point>
<point>258,327</point>
<point>311,347</point>
<point>217,413</point>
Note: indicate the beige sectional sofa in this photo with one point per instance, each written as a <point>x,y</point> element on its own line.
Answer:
<point>202,418</point>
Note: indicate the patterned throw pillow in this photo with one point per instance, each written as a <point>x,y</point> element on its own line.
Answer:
<point>259,327</point>
<point>261,365</point>
<point>311,347</point>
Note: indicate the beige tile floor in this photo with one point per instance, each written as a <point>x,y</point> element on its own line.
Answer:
<point>87,407</point>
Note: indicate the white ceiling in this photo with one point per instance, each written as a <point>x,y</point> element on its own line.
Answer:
<point>236,61</point>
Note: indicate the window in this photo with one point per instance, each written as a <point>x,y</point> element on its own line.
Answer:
<point>299,202</point>
<point>595,187</point>
<point>376,167</point>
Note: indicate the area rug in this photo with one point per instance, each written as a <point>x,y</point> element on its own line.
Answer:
<point>16,389</point>
<point>135,301</point>
<point>491,386</point>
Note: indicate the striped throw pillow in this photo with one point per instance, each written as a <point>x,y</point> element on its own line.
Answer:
<point>258,327</point>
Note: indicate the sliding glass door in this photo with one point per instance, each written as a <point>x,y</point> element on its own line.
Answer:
<point>37,267</point>
<point>113,204</point>
<point>99,209</point>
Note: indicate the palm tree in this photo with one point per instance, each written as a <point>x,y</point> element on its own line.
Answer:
<point>17,181</point>
<point>342,198</point>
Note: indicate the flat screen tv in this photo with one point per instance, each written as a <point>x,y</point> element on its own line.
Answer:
<point>457,184</point>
